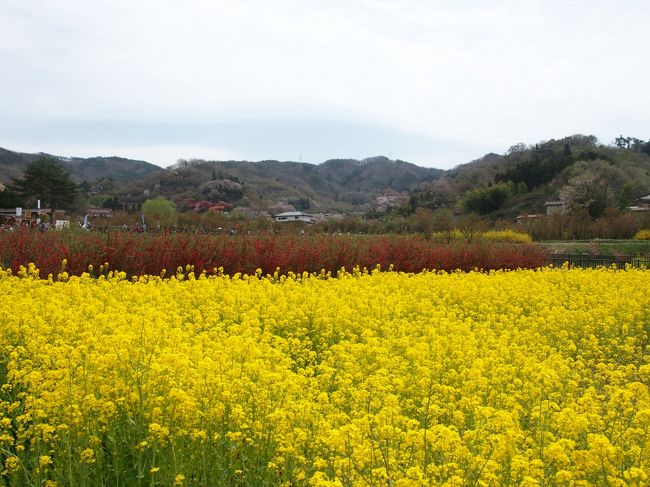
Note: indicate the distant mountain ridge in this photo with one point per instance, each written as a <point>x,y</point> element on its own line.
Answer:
<point>12,165</point>
<point>117,168</point>
<point>566,168</point>
<point>334,184</point>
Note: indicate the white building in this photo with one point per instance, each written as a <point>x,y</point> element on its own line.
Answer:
<point>641,204</point>
<point>293,216</point>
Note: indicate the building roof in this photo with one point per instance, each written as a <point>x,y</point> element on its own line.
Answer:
<point>292,213</point>
<point>100,210</point>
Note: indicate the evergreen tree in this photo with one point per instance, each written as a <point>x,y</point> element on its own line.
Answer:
<point>9,199</point>
<point>44,179</point>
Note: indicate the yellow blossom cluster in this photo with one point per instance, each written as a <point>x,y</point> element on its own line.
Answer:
<point>513,236</point>
<point>367,378</point>
<point>642,234</point>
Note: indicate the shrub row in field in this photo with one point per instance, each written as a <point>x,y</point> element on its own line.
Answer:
<point>511,236</point>
<point>139,254</point>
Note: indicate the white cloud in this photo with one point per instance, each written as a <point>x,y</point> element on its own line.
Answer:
<point>483,72</point>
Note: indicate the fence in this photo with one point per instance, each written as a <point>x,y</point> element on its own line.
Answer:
<point>582,260</point>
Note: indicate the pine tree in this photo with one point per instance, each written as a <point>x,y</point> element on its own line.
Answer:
<point>46,180</point>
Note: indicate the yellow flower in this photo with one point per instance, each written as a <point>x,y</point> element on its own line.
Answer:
<point>12,463</point>
<point>87,456</point>
<point>370,376</point>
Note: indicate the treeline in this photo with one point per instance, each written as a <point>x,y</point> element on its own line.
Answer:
<point>491,198</point>
<point>541,163</point>
<point>578,225</point>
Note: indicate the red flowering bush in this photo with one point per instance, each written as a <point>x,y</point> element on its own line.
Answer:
<point>137,253</point>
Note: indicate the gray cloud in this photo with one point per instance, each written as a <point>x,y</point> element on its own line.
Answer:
<point>443,77</point>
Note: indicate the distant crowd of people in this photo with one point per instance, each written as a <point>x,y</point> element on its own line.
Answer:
<point>10,227</point>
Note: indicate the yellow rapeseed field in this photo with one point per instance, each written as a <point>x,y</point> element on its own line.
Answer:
<point>380,378</point>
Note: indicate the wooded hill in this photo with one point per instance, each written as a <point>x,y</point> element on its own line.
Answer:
<point>92,169</point>
<point>576,169</point>
<point>342,184</point>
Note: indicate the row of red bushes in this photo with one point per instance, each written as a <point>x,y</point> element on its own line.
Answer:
<point>139,254</point>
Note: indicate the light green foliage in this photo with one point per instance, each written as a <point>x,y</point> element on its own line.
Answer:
<point>159,212</point>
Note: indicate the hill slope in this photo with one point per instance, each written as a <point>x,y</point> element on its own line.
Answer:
<point>338,184</point>
<point>12,165</point>
<point>334,184</point>
<point>576,169</point>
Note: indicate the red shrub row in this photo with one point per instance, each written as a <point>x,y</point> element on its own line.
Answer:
<point>139,254</point>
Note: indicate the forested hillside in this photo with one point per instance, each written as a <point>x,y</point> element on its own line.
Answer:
<point>577,170</point>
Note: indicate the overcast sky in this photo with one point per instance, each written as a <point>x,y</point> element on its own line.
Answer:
<point>437,83</point>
